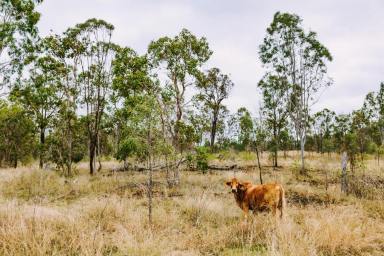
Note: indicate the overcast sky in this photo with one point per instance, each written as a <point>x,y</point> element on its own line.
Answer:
<point>353,31</point>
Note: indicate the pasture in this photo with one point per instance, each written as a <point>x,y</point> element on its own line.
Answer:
<point>44,213</point>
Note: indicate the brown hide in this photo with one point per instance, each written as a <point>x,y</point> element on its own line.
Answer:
<point>258,198</point>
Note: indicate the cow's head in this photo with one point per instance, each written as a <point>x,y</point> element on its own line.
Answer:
<point>236,185</point>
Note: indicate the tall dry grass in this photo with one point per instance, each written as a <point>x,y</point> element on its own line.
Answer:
<point>42,213</point>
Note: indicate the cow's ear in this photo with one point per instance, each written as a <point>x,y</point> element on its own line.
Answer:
<point>242,186</point>
<point>228,183</point>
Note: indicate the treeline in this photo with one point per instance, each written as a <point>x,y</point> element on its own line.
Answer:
<point>79,96</point>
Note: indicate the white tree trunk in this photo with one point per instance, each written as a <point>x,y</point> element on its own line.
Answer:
<point>344,162</point>
<point>302,144</point>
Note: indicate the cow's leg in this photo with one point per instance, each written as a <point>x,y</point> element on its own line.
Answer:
<point>246,212</point>
<point>281,211</point>
<point>274,209</point>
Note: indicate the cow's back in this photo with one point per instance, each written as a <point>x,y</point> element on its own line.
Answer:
<point>260,197</point>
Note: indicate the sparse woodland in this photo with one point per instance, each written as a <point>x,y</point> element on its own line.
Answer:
<point>104,151</point>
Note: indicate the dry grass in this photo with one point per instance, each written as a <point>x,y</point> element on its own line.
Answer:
<point>42,213</point>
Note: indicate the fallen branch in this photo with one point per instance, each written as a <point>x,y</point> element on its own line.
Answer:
<point>222,167</point>
<point>142,168</point>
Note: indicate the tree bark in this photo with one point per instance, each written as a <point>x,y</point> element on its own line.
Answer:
<point>344,161</point>
<point>150,185</point>
<point>150,178</point>
<point>275,146</point>
<point>92,151</point>
<point>302,144</point>
<point>15,161</point>
<point>213,131</point>
<point>98,147</point>
<point>258,163</point>
<point>42,145</point>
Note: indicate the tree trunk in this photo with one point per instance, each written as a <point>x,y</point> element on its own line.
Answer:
<point>275,146</point>
<point>98,154</point>
<point>150,173</point>
<point>213,132</point>
<point>92,151</point>
<point>176,175</point>
<point>344,161</point>
<point>150,185</point>
<point>275,161</point>
<point>258,163</point>
<point>15,161</point>
<point>69,145</point>
<point>302,144</point>
<point>42,145</point>
<point>168,177</point>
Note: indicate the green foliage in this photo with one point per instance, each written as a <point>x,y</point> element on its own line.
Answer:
<point>182,57</point>
<point>16,134</point>
<point>40,94</point>
<point>187,136</point>
<point>82,90</point>
<point>130,72</point>
<point>299,61</point>
<point>199,159</point>
<point>202,158</point>
<point>322,124</point>
<point>274,110</point>
<point>245,127</point>
<point>63,152</point>
<point>128,148</point>
<point>18,31</point>
<point>213,88</point>
<point>95,54</point>
<point>351,146</point>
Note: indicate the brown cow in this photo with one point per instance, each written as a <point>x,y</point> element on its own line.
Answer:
<point>258,198</point>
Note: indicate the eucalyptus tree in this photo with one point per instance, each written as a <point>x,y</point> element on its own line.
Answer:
<point>341,128</point>
<point>246,127</point>
<point>130,77</point>
<point>16,134</point>
<point>214,87</point>
<point>64,53</point>
<point>181,58</point>
<point>291,53</point>
<point>322,125</point>
<point>360,126</point>
<point>374,109</point>
<point>147,137</point>
<point>137,91</point>
<point>96,53</point>
<point>17,30</point>
<point>59,152</point>
<point>198,118</point>
<point>275,111</point>
<point>40,94</point>
<point>259,138</point>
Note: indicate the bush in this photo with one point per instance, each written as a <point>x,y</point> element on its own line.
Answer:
<point>199,159</point>
<point>202,158</point>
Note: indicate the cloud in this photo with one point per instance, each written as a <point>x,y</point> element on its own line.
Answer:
<point>351,29</point>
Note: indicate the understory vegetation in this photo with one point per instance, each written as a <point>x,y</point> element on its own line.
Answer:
<point>44,213</point>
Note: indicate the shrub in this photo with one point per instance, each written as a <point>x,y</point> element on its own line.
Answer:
<point>202,158</point>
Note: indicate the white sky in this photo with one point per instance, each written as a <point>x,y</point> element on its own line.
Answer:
<point>353,31</point>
